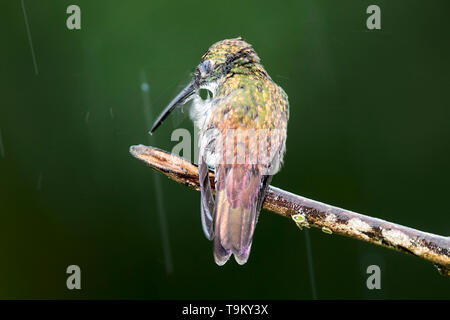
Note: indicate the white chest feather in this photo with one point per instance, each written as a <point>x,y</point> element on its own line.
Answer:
<point>200,113</point>
<point>202,108</point>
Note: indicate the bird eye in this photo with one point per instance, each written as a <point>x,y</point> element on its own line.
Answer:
<point>205,68</point>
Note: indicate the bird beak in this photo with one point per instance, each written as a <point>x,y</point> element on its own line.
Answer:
<point>179,99</point>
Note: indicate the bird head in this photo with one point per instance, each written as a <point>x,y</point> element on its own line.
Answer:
<point>223,57</point>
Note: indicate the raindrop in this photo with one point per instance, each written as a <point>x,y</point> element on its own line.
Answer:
<point>39,183</point>
<point>145,86</point>
<point>2,149</point>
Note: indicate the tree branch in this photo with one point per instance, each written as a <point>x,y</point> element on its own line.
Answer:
<point>306,213</point>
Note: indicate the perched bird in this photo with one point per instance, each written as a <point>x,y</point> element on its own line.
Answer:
<point>242,136</point>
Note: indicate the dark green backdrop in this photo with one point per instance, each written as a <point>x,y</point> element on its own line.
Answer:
<point>369,131</point>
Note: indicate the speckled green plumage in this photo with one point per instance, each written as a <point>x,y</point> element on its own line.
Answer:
<point>255,101</point>
<point>251,98</point>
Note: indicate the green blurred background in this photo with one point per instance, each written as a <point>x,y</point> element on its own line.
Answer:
<point>369,131</point>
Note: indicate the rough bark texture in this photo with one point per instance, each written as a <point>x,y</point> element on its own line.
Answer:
<point>310,213</point>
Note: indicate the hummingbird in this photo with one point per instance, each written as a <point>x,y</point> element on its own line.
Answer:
<point>242,129</point>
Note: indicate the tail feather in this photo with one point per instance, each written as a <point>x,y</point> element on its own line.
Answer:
<point>240,191</point>
<point>222,250</point>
